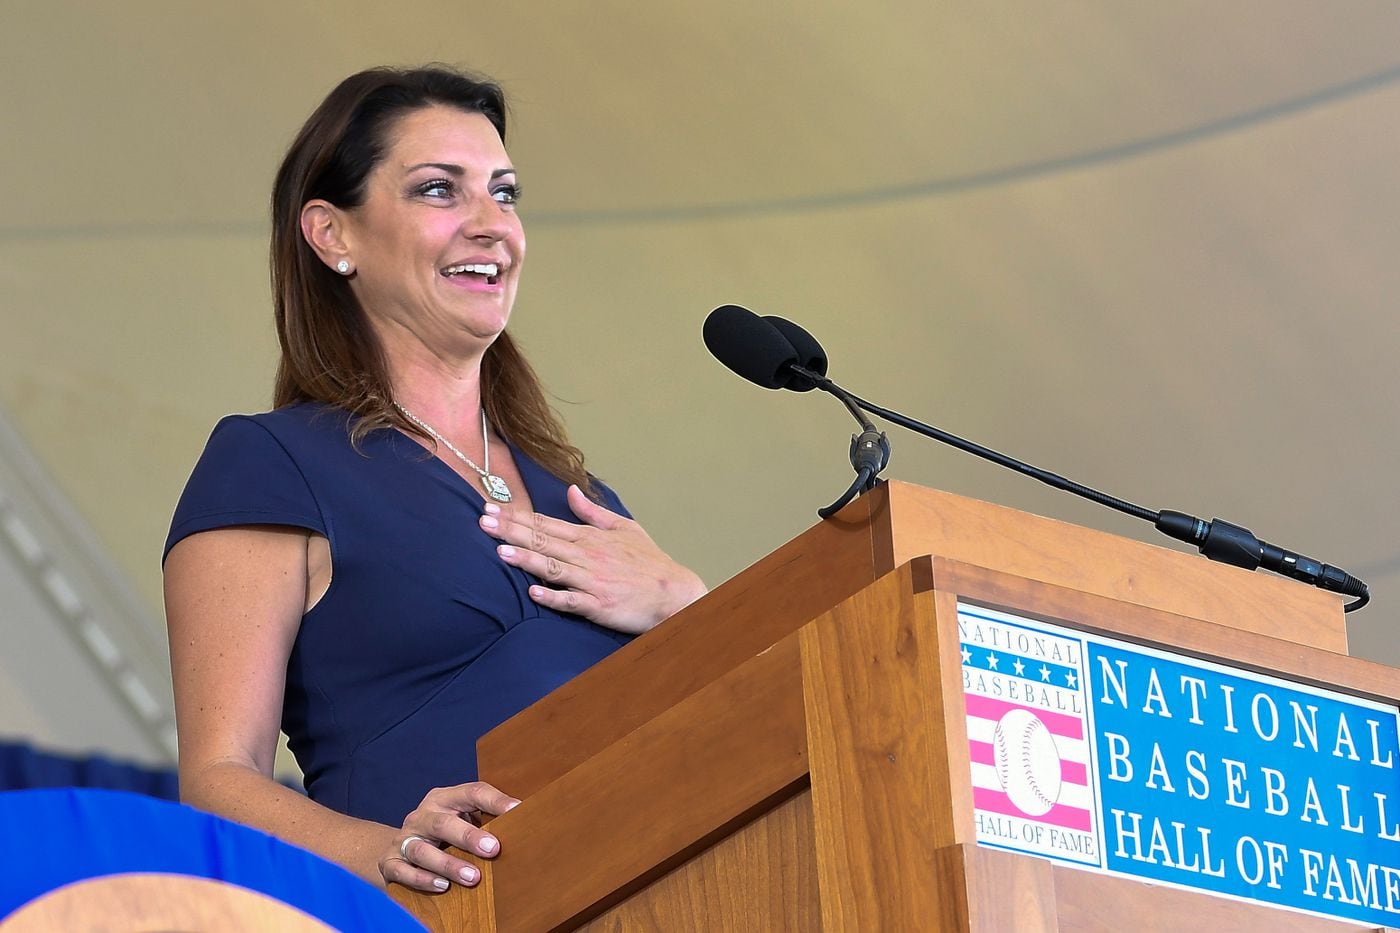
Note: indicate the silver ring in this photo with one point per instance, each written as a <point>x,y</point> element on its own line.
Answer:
<point>403,847</point>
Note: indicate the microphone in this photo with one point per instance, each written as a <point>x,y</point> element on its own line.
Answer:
<point>778,354</point>
<point>768,351</point>
<point>810,355</point>
<point>751,346</point>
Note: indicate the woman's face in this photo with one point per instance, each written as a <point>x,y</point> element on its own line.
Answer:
<point>437,244</point>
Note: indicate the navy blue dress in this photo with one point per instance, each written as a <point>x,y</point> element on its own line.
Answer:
<point>426,639</point>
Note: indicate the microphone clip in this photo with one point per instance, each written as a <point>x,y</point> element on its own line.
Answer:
<point>870,453</point>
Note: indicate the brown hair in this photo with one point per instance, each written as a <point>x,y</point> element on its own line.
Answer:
<point>329,351</point>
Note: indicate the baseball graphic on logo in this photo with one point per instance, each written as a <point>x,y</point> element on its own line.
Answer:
<point>1028,763</point>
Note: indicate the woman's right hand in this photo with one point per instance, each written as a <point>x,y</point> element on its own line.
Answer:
<point>445,817</point>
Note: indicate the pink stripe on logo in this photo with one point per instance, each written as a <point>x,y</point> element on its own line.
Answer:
<point>1058,723</point>
<point>1059,815</point>
<point>1071,772</point>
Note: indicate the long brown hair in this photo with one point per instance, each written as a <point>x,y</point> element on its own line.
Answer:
<point>329,351</point>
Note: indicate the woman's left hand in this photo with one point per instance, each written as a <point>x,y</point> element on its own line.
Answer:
<point>606,569</point>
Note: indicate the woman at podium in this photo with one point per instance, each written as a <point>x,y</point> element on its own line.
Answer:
<point>407,550</point>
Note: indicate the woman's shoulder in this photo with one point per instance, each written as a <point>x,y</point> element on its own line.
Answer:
<point>307,429</point>
<point>285,448</point>
<point>256,470</point>
<point>290,420</point>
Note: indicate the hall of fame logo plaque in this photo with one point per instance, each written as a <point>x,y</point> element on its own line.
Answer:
<point>1027,738</point>
<point>1133,761</point>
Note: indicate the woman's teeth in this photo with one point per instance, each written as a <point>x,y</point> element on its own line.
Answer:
<point>477,268</point>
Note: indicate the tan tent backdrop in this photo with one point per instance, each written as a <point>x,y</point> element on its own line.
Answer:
<point>1155,247</point>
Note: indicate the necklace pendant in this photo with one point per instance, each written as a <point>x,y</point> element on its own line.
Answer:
<point>495,487</point>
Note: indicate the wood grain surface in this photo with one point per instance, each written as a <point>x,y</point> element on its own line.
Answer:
<point>1005,891</point>
<point>882,783</point>
<point>927,521</point>
<point>762,878</point>
<point>1093,903</point>
<point>669,789</point>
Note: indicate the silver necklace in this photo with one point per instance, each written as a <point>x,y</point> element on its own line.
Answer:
<point>495,487</point>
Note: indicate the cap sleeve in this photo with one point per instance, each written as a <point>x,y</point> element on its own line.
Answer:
<point>244,477</point>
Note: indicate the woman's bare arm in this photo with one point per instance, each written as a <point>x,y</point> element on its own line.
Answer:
<point>233,600</point>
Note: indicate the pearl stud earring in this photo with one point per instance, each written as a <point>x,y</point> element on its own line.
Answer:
<point>343,267</point>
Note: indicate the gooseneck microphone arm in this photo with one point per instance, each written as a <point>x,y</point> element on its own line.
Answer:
<point>1218,540</point>
<point>778,354</point>
<point>986,453</point>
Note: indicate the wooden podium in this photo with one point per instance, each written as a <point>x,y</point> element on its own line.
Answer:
<point>791,752</point>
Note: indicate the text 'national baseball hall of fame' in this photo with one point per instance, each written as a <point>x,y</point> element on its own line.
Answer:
<point>1124,759</point>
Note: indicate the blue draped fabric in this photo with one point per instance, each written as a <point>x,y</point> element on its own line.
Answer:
<point>23,767</point>
<point>60,836</point>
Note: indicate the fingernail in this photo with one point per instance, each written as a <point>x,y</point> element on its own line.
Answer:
<point>488,844</point>
<point>536,592</point>
<point>469,874</point>
<point>488,522</point>
<point>441,884</point>
<point>505,550</point>
<point>493,509</point>
<point>514,803</point>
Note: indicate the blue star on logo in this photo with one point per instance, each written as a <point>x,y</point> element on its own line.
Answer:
<point>966,656</point>
<point>1071,679</point>
<point>1019,667</point>
<point>1044,673</point>
<point>991,661</point>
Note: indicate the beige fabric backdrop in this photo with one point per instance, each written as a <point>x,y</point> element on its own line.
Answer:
<point>1149,246</point>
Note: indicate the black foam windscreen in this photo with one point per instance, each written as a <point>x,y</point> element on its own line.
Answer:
<point>810,354</point>
<point>750,346</point>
